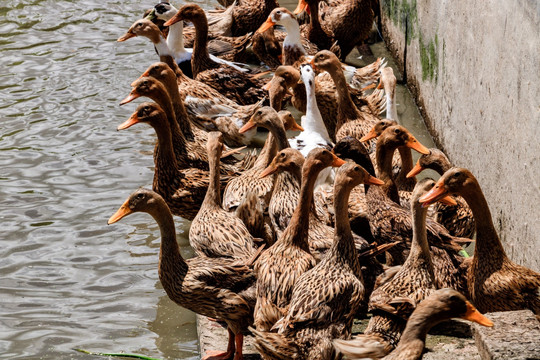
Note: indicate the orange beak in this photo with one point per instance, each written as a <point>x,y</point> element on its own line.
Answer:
<point>438,192</point>
<point>247,126</point>
<point>296,127</point>
<point>280,58</point>
<point>268,171</point>
<point>448,200</point>
<point>132,96</point>
<point>120,213</point>
<point>417,169</point>
<point>414,144</point>
<point>337,161</point>
<point>126,36</point>
<point>374,181</point>
<point>145,74</point>
<point>266,25</point>
<point>302,6</point>
<point>312,63</point>
<point>172,21</point>
<point>474,315</point>
<point>380,86</point>
<point>134,119</point>
<point>372,134</point>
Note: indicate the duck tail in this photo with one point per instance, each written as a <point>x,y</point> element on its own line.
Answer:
<point>360,347</point>
<point>274,346</point>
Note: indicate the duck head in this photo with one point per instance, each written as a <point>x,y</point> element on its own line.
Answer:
<point>455,181</point>
<point>397,135</point>
<point>144,86</point>
<point>190,12</point>
<point>143,27</point>
<point>435,160</point>
<point>142,200</point>
<point>288,159</point>
<point>268,118</point>
<point>147,112</point>
<point>278,16</point>
<point>378,129</point>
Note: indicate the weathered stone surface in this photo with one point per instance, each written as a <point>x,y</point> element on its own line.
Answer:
<point>515,335</point>
<point>473,67</point>
<point>214,336</point>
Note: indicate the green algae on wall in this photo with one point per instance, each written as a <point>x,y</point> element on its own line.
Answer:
<point>404,15</point>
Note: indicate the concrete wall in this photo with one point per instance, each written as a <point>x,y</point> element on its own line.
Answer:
<point>474,68</point>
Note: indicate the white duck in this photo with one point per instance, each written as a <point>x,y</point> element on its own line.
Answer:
<point>315,133</point>
<point>175,39</point>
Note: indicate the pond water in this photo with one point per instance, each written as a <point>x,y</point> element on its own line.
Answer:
<point>67,280</point>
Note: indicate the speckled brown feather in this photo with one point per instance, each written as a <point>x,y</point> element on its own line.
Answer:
<point>215,232</point>
<point>494,282</point>
<point>279,267</point>
<point>217,288</point>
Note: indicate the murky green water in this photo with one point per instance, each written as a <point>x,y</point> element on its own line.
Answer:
<point>67,280</point>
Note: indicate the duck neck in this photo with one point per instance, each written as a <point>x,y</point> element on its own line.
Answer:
<point>346,107</point>
<point>161,46</point>
<point>419,246</point>
<point>213,196</point>
<point>279,135</point>
<point>405,154</point>
<point>414,336</point>
<point>293,49</point>
<point>487,239</point>
<point>343,248</point>
<point>383,155</point>
<point>297,231</point>
<point>179,109</point>
<point>441,166</point>
<point>175,40</point>
<point>313,119</point>
<point>164,157</point>
<point>267,153</point>
<point>391,109</point>
<point>164,101</point>
<point>200,60</point>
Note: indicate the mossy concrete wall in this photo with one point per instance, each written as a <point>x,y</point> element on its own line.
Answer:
<point>474,68</point>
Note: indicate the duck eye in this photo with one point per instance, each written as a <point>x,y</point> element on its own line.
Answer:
<point>282,155</point>
<point>259,112</point>
<point>278,12</point>
<point>397,131</point>
<point>457,174</point>
<point>140,196</point>
<point>356,168</point>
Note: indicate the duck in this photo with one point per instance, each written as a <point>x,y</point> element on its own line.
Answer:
<point>458,220</point>
<point>314,31</point>
<point>287,165</point>
<point>206,107</point>
<point>336,19</point>
<point>213,287</point>
<point>315,133</point>
<point>221,44</point>
<point>441,305</point>
<point>245,16</point>
<point>187,140</point>
<point>393,302</point>
<point>183,189</point>
<point>238,187</point>
<point>146,28</point>
<point>243,88</point>
<point>351,121</point>
<point>402,164</point>
<point>279,267</point>
<point>293,49</point>
<point>390,221</point>
<point>215,232</point>
<point>325,93</point>
<point>325,299</point>
<point>495,283</point>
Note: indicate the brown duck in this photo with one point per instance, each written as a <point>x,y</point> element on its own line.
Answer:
<point>279,267</point>
<point>441,305</point>
<point>326,298</point>
<point>495,283</point>
<point>232,83</point>
<point>182,189</point>
<point>218,288</point>
<point>215,232</point>
<point>458,220</point>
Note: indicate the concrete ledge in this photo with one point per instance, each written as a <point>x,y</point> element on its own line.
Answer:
<point>213,336</point>
<point>515,335</point>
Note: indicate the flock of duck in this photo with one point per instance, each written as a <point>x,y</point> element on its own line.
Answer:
<point>293,243</point>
